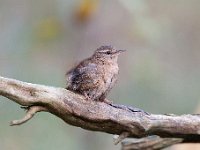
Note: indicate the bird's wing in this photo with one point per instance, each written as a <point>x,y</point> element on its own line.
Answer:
<point>84,76</point>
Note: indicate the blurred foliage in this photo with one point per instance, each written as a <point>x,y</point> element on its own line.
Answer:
<point>40,40</point>
<point>86,9</point>
<point>48,29</point>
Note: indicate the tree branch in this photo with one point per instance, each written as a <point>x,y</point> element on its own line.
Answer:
<point>31,111</point>
<point>75,110</point>
<point>150,143</point>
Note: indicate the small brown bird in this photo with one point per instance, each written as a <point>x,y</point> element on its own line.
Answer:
<point>94,77</point>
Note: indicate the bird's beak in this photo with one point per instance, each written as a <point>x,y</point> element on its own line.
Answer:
<point>117,52</point>
<point>120,51</point>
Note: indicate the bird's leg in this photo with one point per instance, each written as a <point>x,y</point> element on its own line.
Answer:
<point>107,101</point>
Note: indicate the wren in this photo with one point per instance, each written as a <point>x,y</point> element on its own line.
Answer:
<point>95,76</point>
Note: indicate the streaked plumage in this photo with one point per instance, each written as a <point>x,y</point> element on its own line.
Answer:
<point>94,77</point>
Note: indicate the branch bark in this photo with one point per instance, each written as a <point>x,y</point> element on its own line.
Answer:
<point>150,142</point>
<point>75,110</point>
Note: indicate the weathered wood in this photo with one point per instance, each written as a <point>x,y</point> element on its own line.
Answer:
<point>149,143</point>
<point>75,110</point>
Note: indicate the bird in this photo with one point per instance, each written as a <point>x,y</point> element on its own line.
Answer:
<point>95,76</point>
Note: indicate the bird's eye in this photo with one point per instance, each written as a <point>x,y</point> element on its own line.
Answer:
<point>108,52</point>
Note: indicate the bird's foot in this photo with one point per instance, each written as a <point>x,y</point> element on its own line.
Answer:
<point>87,97</point>
<point>107,101</point>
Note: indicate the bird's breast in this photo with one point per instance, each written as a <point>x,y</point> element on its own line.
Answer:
<point>110,72</point>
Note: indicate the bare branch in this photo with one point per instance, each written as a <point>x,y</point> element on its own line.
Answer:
<point>32,110</point>
<point>150,143</point>
<point>99,116</point>
<point>121,137</point>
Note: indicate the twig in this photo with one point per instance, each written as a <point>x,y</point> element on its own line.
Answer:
<point>149,143</point>
<point>121,137</point>
<point>32,110</point>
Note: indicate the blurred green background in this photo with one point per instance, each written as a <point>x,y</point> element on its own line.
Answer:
<point>41,39</point>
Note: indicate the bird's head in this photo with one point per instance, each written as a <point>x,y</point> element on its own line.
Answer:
<point>108,52</point>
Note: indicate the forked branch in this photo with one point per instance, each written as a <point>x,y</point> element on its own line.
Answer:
<point>75,110</point>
